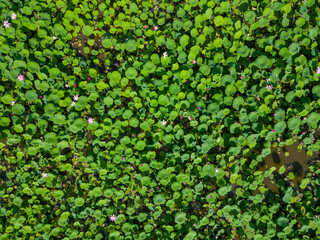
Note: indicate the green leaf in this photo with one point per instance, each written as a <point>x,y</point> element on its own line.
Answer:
<point>218,21</point>
<point>87,30</point>
<point>180,218</point>
<point>131,45</point>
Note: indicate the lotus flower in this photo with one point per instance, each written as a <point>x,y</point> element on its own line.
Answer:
<point>20,77</point>
<point>6,24</point>
<point>113,218</point>
<point>13,16</point>
<point>165,55</point>
<point>269,87</point>
<point>90,120</point>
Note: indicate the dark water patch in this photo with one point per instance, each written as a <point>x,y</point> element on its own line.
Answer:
<point>294,160</point>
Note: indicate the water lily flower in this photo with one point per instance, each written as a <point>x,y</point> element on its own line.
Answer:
<point>165,55</point>
<point>40,96</point>
<point>44,175</point>
<point>13,16</point>
<point>75,85</point>
<point>75,97</point>
<point>164,122</point>
<point>73,103</point>
<point>186,80</point>
<point>66,85</point>
<point>272,130</point>
<point>241,77</point>
<point>303,132</point>
<point>88,78</point>
<point>145,26</point>
<point>123,158</point>
<point>269,87</point>
<point>318,70</point>
<point>194,61</point>
<point>12,103</point>
<point>237,122</point>
<point>54,37</point>
<point>20,77</point>
<point>189,118</point>
<point>268,80</point>
<point>113,218</point>
<point>6,24</point>
<point>156,28</point>
<point>217,169</point>
<point>90,120</point>
<point>198,108</point>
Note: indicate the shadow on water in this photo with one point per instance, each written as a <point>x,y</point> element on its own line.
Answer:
<point>292,159</point>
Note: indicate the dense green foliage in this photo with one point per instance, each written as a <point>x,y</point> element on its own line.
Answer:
<point>149,119</point>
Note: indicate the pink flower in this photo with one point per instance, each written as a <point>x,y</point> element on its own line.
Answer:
<point>141,165</point>
<point>75,85</point>
<point>44,175</point>
<point>90,120</point>
<point>88,78</point>
<point>210,196</point>
<point>274,114</point>
<point>186,80</point>
<point>318,70</point>
<point>40,96</point>
<point>269,87</point>
<point>13,16</point>
<point>49,57</point>
<point>220,148</point>
<point>272,130</point>
<point>145,26</point>
<point>75,97</point>
<point>123,158</point>
<point>194,61</point>
<point>184,183</point>
<point>241,77</point>
<point>54,37</point>
<point>20,77</point>
<point>156,28</point>
<point>207,89</point>
<point>198,108</point>
<point>113,218</point>
<point>303,132</point>
<point>237,122</point>
<point>157,187</point>
<point>12,103</point>
<point>66,85</point>
<point>6,24</point>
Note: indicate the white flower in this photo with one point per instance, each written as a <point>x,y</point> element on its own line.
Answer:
<point>165,55</point>
<point>73,103</point>
<point>189,118</point>
<point>44,174</point>
<point>164,122</point>
<point>13,16</point>
<point>217,169</point>
<point>12,103</point>
<point>54,37</point>
<point>268,80</point>
<point>318,70</point>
